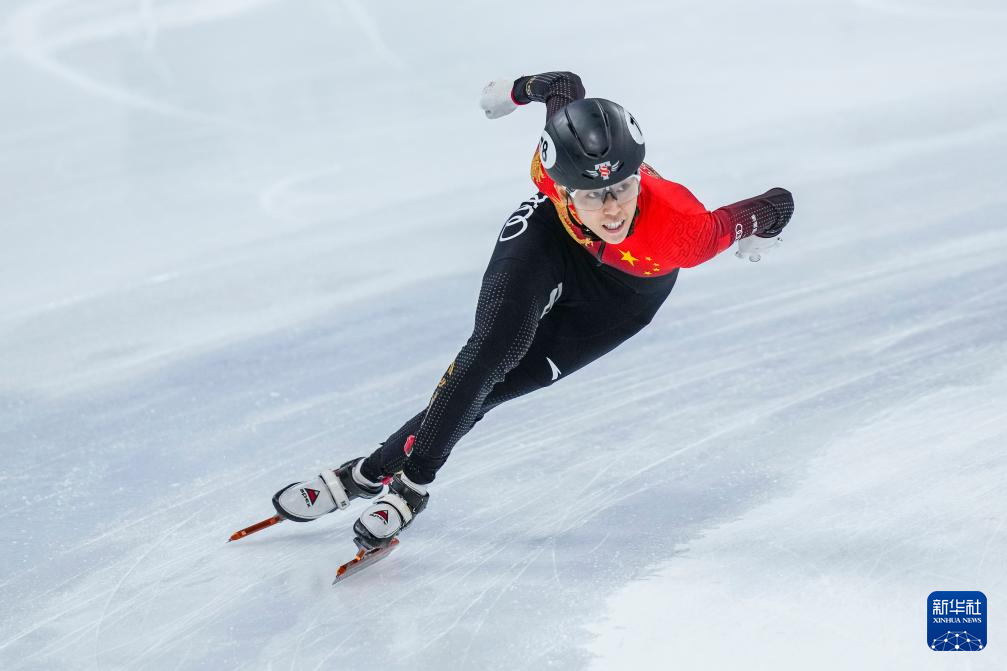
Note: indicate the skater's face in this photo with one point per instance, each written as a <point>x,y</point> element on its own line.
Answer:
<point>610,223</point>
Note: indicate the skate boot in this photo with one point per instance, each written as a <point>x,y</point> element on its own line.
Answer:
<point>329,490</point>
<point>390,514</point>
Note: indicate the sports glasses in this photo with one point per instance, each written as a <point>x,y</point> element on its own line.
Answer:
<point>588,200</point>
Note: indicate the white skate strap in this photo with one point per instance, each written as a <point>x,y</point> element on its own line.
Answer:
<point>397,502</point>
<point>331,481</point>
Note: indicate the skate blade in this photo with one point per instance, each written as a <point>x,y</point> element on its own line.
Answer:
<point>363,560</point>
<point>259,526</point>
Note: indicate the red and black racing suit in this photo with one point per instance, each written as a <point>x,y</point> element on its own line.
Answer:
<point>555,298</point>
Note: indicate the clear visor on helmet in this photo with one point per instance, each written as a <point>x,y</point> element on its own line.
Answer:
<point>587,200</point>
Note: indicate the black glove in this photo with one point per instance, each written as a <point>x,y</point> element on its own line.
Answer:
<point>782,203</point>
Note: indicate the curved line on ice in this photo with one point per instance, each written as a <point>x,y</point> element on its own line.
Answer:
<point>281,198</point>
<point>29,43</point>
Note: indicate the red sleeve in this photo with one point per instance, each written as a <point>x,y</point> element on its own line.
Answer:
<point>702,237</point>
<point>696,234</point>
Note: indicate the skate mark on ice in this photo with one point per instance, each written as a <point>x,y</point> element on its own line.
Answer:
<point>986,549</point>
<point>773,408</point>
<point>153,546</point>
<point>526,561</point>
<point>500,592</point>
<point>169,510</point>
<point>357,627</point>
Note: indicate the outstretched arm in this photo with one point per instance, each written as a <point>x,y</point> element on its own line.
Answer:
<point>755,221</point>
<point>555,89</point>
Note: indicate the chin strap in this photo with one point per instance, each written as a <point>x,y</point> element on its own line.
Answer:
<point>587,232</point>
<point>632,223</point>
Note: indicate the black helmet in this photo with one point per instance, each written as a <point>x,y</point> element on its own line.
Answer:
<point>590,144</point>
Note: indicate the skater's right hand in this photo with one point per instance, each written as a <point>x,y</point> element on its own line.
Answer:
<point>496,100</point>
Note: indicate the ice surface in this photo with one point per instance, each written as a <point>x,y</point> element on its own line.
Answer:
<point>240,240</point>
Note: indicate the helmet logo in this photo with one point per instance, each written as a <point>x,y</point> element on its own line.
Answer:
<point>547,151</point>
<point>603,170</point>
<point>634,128</point>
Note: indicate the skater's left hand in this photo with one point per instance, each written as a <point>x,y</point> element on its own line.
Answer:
<point>754,246</point>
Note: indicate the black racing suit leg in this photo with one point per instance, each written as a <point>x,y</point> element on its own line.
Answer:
<point>560,348</point>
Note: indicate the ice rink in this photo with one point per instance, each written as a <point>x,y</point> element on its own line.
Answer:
<point>240,240</point>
